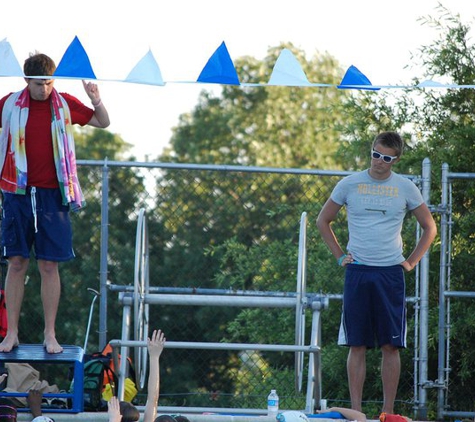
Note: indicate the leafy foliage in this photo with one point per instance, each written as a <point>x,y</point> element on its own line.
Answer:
<point>247,240</point>
<point>268,126</point>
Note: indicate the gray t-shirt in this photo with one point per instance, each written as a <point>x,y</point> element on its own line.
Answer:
<point>376,210</point>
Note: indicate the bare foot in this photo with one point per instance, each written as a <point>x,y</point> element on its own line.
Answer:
<point>34,399</point>
<point>9,343</point>
<point>52,345</point>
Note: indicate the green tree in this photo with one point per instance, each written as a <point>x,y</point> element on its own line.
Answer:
<point>273,126</point>
<point>266,126</point>
<point>235,230</point>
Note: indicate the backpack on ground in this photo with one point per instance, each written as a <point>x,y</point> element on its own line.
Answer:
<point>101,380</point>
<point>107,351</point>
<point>130,388</point>
<point>96,370</point>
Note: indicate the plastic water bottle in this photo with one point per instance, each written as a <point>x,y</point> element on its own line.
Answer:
<point>272,403</point>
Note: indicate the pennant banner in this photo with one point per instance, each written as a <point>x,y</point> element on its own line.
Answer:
<point>219,69</point>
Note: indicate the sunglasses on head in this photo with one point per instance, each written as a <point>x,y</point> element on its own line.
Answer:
<point>386,158</point>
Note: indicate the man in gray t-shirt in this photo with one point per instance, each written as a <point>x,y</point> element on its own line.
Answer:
<point>376,200</point>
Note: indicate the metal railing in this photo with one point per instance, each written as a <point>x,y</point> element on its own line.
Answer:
<point>140,299</point>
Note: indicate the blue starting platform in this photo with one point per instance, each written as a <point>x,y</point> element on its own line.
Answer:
<point>73,355</point>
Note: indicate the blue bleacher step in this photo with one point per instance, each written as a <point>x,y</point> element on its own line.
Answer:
<point>37,352</point>
<point>31,353</point>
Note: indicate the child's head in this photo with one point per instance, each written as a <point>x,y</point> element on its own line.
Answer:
<point>174,418</point>
<point>129,412</point>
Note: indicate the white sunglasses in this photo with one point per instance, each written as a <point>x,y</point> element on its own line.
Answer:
<point>386,158</point>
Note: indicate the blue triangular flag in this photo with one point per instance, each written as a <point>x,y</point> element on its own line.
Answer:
<point>354,79</point>
<point>75,62</point>
<point>146,71</point>
<point>220,68</point>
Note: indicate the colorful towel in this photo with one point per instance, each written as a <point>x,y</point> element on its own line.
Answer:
<point>13,165</point>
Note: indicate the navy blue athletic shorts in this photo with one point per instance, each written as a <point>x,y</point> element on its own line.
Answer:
<point>374,307</point>
<point>37,219</point>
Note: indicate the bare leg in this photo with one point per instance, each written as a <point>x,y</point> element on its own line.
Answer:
<point>14,289</point>
<point>390,373</point>
<point>50,294</point>
<point>356,368</point>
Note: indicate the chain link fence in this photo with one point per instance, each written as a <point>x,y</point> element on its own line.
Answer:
<point>215,227</point>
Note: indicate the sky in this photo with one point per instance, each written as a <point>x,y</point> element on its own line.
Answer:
<point>376,36</point>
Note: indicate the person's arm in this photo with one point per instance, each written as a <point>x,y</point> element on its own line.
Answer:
<point>324,220</point>
<point>34,400</point>
<point>350,414</point>
<point>427,223</point>
<point>155,348</point>
<point>100,118</point>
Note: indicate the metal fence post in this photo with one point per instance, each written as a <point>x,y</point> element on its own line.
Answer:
<point>424,304</point>
<point>103,270</point>
<point>442,287</point>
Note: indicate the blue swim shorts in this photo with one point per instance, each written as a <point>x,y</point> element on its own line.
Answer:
<point>39,220</point>
<point>374,307</point>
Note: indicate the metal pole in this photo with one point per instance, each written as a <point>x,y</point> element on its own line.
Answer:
<point>103,270</point>
<point>214,300</point>
<point>442,287</point>
<point>218,346</point>
<point>314,383</point>
<point>124,351</point>
<point>424,305</point>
